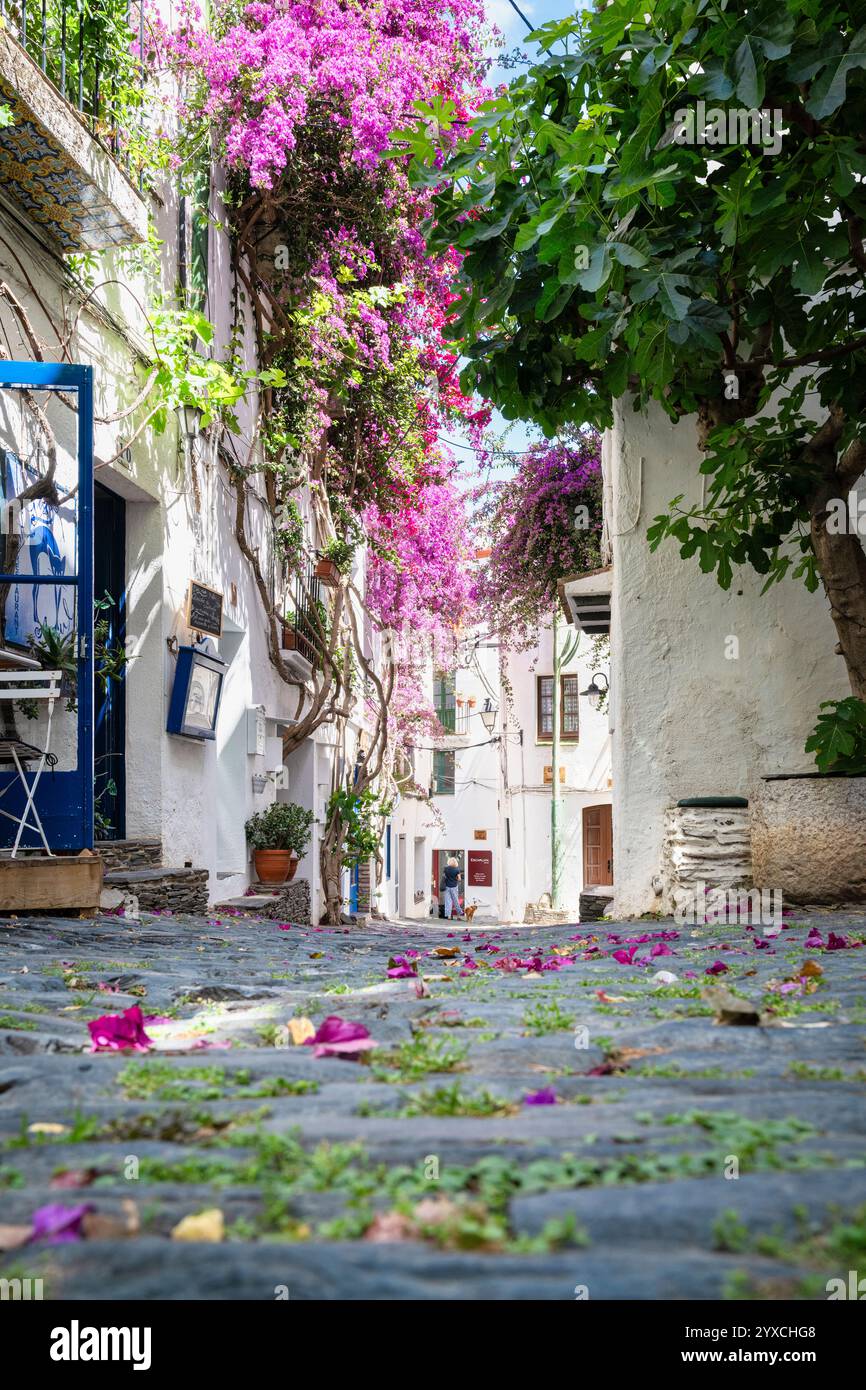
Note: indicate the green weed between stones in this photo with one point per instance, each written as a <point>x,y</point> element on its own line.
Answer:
<point>677,1072</point>
<point>837,1245</point>
<point>17,1025</point>
<point>445,1100</point>
<point>417,1058</point>
<point>805,1071</point>
<point>546,1017</point>
<point>158,1080</point>
<point>785,1006</point>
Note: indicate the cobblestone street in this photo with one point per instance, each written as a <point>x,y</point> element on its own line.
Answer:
<point>702,1138</point>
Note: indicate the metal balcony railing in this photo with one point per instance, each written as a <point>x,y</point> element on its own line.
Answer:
<point>306,598</point>
<point>454,719</point>
<point>90,50</point>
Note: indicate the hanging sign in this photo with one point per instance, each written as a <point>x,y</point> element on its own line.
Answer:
<point>204,609</point>
<point>480,870</point>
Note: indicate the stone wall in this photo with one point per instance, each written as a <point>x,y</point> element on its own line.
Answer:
<point>129,854</point>
<point>158,890</point>
<point>809,838</point>
<point>291,904</point>
<point>705,845</point>
<point>595,904</point>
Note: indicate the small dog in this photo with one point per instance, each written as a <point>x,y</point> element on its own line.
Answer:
<point>469,912</point>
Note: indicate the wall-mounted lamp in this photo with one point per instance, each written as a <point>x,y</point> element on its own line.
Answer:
<point>594,691</point>
<point>488,714</point>
<point>190,417</point>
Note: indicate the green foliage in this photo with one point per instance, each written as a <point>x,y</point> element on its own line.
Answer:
<point>285,825</point>
<point>839,740</point>
<point>360,814</point>
<point>289,534</point>
<point>185,376</point>
<point>606,255</point>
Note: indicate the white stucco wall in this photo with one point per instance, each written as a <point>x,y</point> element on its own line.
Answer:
<point>688,718</point>
<point>500,787</point>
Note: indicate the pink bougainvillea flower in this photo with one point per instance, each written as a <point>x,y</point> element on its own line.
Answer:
<point>814,940</point>
<point>837,943</point>
<point>57,1224</point>
<point>339,1037</point>
<point>660,949</point>
<point>718,967</point>
<point>468,964</point>
<point>399,968</point>
<point>546,1096</point>
<point>626,955</point>
<point>119,1032</point>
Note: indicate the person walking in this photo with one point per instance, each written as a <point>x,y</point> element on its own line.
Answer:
<point>451,879</point>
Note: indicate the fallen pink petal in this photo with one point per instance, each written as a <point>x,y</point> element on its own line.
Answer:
<point>120,1032</point>
<point>546,1096</point>
<point>56,1224</point>
<point>339,1037</point>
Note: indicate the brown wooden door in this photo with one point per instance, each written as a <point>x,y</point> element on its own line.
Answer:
<point>597,846</point>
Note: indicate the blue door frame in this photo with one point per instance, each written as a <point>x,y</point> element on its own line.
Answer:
<point>65,799</point>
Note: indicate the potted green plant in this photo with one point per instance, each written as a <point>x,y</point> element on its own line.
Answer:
<point>289,622</point>
<point>336,560</point>
<point>278,837</point>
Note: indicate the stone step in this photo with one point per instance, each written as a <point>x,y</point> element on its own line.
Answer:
<point>130,854</point>
<point>248,901</point>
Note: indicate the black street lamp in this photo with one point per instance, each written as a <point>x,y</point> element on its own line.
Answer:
<point>594,692</point>
<point>488,714</point>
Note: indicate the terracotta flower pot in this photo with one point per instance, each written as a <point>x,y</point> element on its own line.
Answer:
<point>327,571</point>
<point>288,638</point>
<point>274,865</point>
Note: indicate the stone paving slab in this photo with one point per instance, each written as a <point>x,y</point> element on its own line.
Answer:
<point>359,1271</point>
<point>325,1169</point>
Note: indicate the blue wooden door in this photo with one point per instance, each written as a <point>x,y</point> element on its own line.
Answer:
<point>46,584</point>
<point>354,884</point>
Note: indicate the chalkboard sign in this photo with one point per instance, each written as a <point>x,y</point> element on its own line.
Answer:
<point>204,609</point>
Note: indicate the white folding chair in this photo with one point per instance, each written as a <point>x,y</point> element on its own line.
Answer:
<point>28,685</point>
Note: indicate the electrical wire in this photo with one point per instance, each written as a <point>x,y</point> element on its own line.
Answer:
<point>518,10</point>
